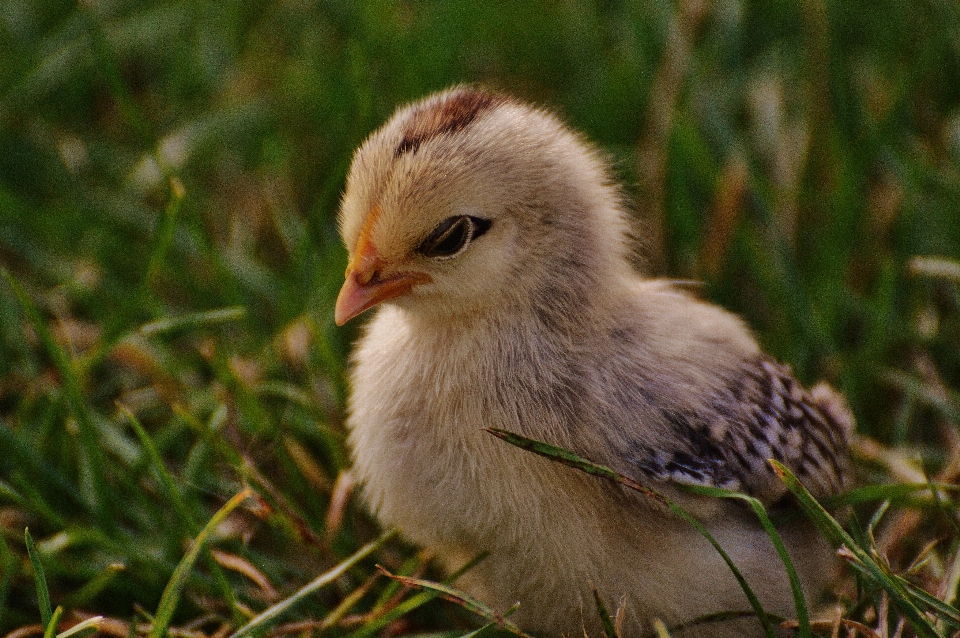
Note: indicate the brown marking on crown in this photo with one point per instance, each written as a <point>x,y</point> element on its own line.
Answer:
<point>451,113</point>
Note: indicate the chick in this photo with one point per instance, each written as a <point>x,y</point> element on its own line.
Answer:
<point>497,244</point>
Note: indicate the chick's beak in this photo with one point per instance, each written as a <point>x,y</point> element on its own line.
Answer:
<point>368,283</point>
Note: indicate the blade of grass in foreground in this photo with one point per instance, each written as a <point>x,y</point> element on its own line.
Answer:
<point>569,458</point>
<point>171,593</point>
<point>799,600</point>
<point>263,620</point>
<point>85,628</point>
<point>175,497</point>
<point>609,630</point>
<point>50,631</point>
<point>870,493</point>
<point>454,595</point>
<point>907,601</point>
<point>477,633</point>
<point>371,628</point>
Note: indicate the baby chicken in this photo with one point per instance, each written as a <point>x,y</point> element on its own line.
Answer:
<point>498,247</point>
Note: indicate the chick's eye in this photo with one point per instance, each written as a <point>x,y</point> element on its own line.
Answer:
<point>452,235</point>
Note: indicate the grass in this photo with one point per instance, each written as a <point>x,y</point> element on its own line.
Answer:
<point>169,178</point>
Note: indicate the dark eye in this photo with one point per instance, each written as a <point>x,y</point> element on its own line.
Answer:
<point>452,235</point>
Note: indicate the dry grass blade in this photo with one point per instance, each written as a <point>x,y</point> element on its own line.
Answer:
<point>661,629</point>
<point>389,612</point>
<point>935,267</point>
<point>241,565</point>
<point>455,596</point>
<point>88,625</point>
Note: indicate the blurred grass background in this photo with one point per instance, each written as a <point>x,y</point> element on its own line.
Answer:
<point>169,180</point>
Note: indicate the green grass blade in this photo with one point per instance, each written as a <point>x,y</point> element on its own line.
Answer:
<point>178,581</point>
<point>799,600</point>
<point>569,458</point>
<point>135,303</point>
<point>42,471</point>
<point>209,432</point>
<point>50,628</point>
<point>193,320</point>
<point>263,620</point>
<point>389,593</point>
<point>175,496</point>
<point>833,531</point>
<point>943,507</point>
<point>60,359</point>
<point>952,582</point>
<point>477,632</point>
<point>609,631</point>
<point>40,579</point>
<point>722,616</point>
<point>83,596</point>
<point>877,517</point>
<point>891,492</point>
<point>166,479</point>
<point>946,611</point>
<point>163,236</point>
<point>90,462</point>
<point>11,495</point>
<point>828,525</point>
<point>946,403</point>
<point>414,602</point>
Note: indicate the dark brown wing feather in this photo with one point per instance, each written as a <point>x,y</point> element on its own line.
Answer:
<point>761,413</point>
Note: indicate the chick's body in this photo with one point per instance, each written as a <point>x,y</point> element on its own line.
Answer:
<point>499,245</point>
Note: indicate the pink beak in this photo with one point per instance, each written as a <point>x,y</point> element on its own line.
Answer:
<point>367,284</point>
<point>365,289</point>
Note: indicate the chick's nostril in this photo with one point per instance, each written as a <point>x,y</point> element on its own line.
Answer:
<point>365,277</point>
<point>367,266</point>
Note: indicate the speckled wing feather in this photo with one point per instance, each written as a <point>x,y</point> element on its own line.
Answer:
<point>761,413</point>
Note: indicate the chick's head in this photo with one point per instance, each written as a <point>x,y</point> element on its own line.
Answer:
<point>467,202</point>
